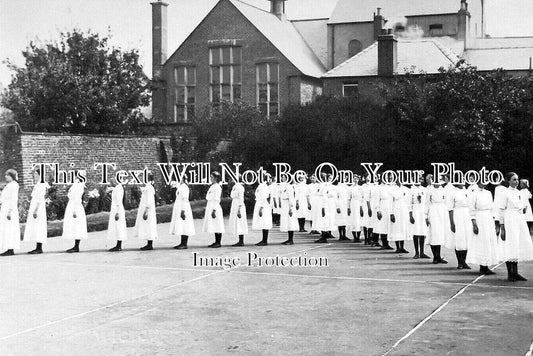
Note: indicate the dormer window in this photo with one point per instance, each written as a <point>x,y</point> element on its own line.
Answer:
<point>436,29</point>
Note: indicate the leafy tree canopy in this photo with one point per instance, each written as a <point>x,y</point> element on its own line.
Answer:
<point>79,85</point>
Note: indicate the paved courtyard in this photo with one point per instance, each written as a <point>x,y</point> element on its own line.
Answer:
<point>365,302</point>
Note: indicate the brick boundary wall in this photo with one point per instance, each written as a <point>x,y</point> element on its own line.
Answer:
<point>21,150</point>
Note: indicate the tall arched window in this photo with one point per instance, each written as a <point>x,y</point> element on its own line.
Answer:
<point>354,47</point>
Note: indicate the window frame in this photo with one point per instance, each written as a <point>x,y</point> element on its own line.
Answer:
<point>220,66</point>
<point>269,82</point>
<point>186,86</point>
<point>350,85</point>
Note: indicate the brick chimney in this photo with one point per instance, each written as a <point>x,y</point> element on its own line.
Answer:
<point>463,22</point>
<point>159,56</point>
<point>379,22</point>
<point>277,7</point>
<point>387,53</point>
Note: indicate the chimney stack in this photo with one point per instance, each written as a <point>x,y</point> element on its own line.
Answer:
<point>387,53</point>
<point>159,57</point>
<point>277,7</point>
<point>463,23</point>
<point>379,23</point>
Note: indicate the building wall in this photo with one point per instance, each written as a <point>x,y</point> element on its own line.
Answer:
<point>225,22</point>
<point>368,87</point>
<point>128,152</point>
<point>340,35</point>
<point>448,22</point>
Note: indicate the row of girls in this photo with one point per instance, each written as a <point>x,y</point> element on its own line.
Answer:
<point>468,221</point>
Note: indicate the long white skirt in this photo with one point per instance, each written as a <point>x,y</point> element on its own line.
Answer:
<point>341,216</point>
<point>439,224</point>
<point>365,219</point>
<point>215,225</point>
<point>263,222</point>
<point>382,225</point>
<point>178,226</point>
<point>462,238</point>
<point>354,219</point>
<point>237,226</point>
<point>517,245</point>
<point>419,228</point>
<point>9,230</point>
<point>146,229</point>
<point>314,200</point>
<point>117,228</point>
<point>36,229</point>
<point>286,222</point>
<point>483,249</point>
<point>74,228</point>
<point>399,230</point>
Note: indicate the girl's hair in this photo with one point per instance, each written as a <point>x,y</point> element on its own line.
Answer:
<point>509,175</point>
<point>216,175</point>
<point>151,177</point>
<point>12,173</point>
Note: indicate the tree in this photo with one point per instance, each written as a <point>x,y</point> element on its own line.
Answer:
<point>78,85</point>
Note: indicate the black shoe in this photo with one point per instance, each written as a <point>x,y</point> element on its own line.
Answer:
<point>8,253</point>
<point>344,238</point>
<point>314,232</point>
<point>322,240</point>
<point>261,243</point>
<point>358,241</point>
<point>115,249</point>
<point>73,250</point>
<point>416,256</point>
<point>238,244</point>
<point>288,242</point>
<point>465,266</point>
<point>489,272</point>
<point>215,245</point>
<point>212,245</point>
<point>181,247</point>
<point>424,256</point>
<point>377,244</point>
<point>403,251</point>
<point>442,261</point>
<point>146,248</point>
<point>35,252</point>
<point>518,277</point>
<point>398,251</point>
<point>460,267</point>
<point>435,262</point>
<point>302,230</point>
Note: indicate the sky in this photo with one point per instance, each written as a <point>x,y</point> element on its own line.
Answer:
<point>129,22</point>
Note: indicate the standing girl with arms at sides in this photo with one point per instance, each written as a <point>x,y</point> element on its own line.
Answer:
<point>9,215</point>
<point>213,219</point>
<point>36,228</point>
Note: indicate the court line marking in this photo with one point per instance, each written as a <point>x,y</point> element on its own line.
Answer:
<point>282,274</point>
<point>377,279</point>
<point>430,316</point>
<point>129,300</point>
<point>530,351</point>
<point>107,306</point>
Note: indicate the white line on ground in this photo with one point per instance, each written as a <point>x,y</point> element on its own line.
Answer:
<point>132,299</point>
<point>427,318</point>
<point>530,351</point>
<point>375,279</point>
<point>107,306</point>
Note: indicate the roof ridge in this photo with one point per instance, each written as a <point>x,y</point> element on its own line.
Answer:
<point>352,58</point>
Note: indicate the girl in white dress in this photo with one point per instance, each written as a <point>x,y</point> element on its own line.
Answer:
<point>303,204</point>
<point>526,197</point>
<point>262,217</point>
<point>483,249</point>
<point>75,221</point>
<point>182,223</point>
<point>321,218</point>
<point>9,215</point>
<point>146,221</point>
<point>515,244</point>
<point>327,213</point>
<point>117,216</point>
<point>275,203</point>
<point>36,228</point>
<point>238,223</point>
<point>288,222</point>
<point>213,219</point>
<point>438,219</point>
<point>314,197</point>
<point>418,218</point>
<point>399,219</point>
<point>383,212</point>
<point>458,202</point>
<point>341,210</point>
<point>355,209</point>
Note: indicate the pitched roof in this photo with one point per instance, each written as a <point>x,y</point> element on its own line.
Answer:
<point>285,37</point>
<point>315,33</point>
<point>363,10</point>
<point>507,53</point>
<point>426,55</point>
